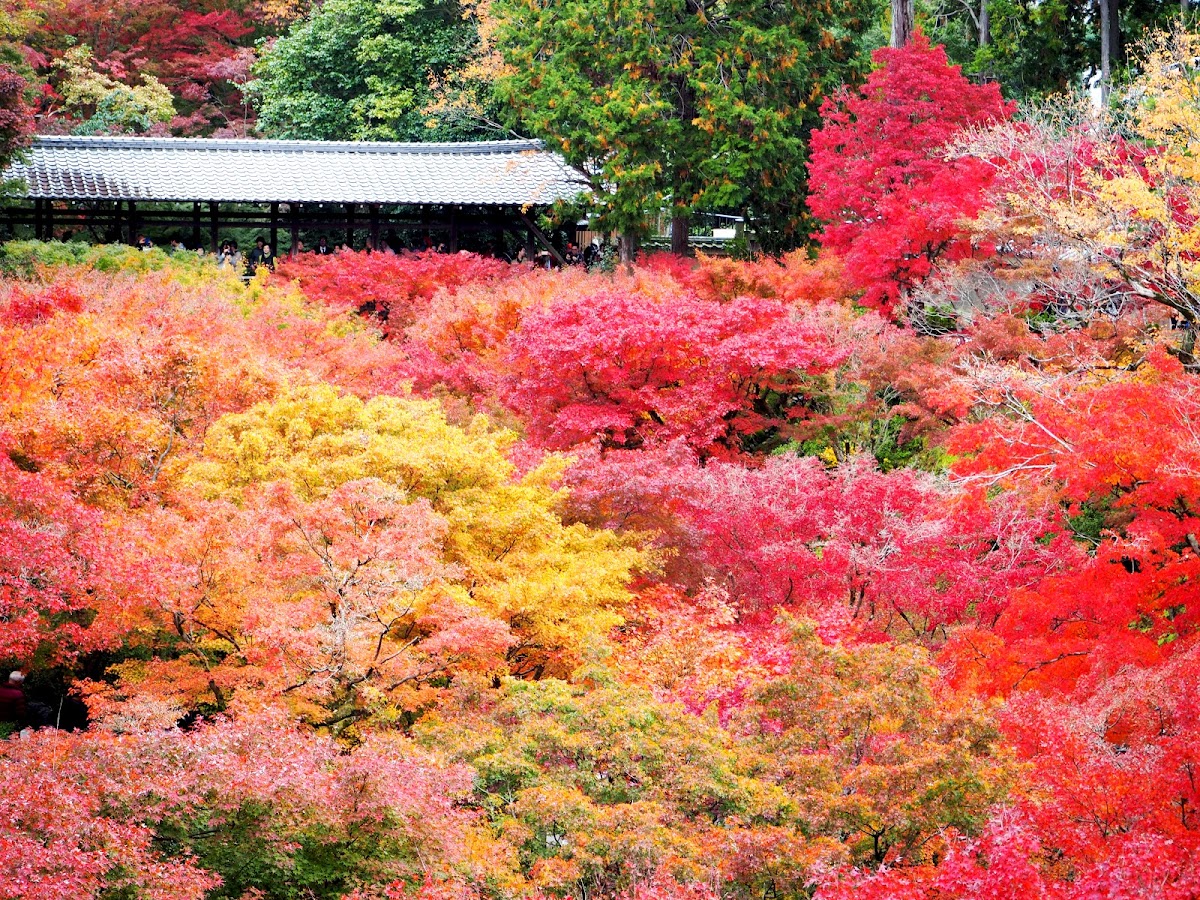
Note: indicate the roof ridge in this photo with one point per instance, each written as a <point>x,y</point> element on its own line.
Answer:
<point>256,145</point>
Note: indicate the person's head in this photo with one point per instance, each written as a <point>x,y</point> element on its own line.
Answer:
<point>321,242</point>
<point>226,246</point>
<point>260,242</point>
<point>16,677</point>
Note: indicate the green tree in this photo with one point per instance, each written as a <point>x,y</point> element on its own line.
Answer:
<point>101,104</point>
<point>1030,47</point>
<point>1040,47</point>
<point>686,106</point>
<point>361,70</point>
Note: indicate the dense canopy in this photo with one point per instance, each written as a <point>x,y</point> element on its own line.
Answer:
<point>865,571</point>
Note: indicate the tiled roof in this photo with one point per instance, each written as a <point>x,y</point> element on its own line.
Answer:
<point>250,171</point>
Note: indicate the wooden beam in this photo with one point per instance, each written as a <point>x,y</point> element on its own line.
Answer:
<point>454,229</point>
<point>541,238</point>
<point>133,222</point>
<point>214,224</point>
<point>275,229</point>
<point>374,220</point>
<point>350,225</point>
<point>196,225</point>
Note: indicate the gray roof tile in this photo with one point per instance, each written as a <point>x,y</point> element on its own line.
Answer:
<point>492,173</point>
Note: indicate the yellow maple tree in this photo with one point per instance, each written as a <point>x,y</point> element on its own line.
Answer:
<point>558,586</point>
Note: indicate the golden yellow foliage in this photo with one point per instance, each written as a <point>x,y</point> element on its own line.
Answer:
<point>560,587</point>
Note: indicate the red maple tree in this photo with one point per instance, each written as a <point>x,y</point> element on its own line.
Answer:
<point>884,179</point>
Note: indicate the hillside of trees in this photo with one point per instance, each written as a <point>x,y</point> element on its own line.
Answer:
<point>864,573</point>
<point>862,569</point>
<point>705,106</point>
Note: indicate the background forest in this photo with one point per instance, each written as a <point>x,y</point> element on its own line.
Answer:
<point>865,570</point>
<point>700,107</point>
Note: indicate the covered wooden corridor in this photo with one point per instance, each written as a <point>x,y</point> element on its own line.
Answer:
<point>199,191</point>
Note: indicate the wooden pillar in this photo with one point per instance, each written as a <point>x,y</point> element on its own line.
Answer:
<point>350,225</point>
<point>497,233</point>
<point>133,222</point>
<point>49,220</point>
<point>530,249</point>
<point>196,226</point>
<point>117,226</point>
<point>37,219</point>
<point>275,229</point>
<point>214,222</point>
<point>454,229</point>
<point>425,227</point>
<point>374,226</point>
<point>293,229</point>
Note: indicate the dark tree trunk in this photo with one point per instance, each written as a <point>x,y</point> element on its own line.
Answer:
<point>903,21</point>
<point>1110,43</point>
<point>1187,344</point>
<point>679,235</point>
<point>627,245</point>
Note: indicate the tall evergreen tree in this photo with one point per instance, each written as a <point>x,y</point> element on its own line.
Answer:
<point>686,106</point>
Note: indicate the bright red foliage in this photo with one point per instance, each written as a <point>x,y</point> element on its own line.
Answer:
<point>861,551</point>
<point>395,288</point>
<point>1121,454</point>
<point>891,198</point>
<point>188,46</point>
<point>59,574</point>
<point>627,370</point>
<point>794,278</point>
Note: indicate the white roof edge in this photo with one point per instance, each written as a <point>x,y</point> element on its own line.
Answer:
<point>254,145</point>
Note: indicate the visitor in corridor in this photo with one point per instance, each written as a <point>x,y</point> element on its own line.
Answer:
<point>254,260</point>
<point>13,707</point>
<point>228,257</point>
